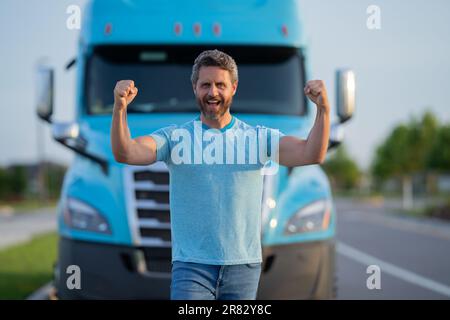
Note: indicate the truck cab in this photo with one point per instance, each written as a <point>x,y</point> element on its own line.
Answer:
<point>113,218</point>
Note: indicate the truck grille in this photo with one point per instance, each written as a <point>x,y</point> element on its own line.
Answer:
<point>148,204</point>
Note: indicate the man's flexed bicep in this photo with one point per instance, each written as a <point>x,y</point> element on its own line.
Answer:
<point>292,151</point>
<point>142,151</point>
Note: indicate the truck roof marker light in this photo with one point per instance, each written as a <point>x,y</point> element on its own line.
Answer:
<point>178,28</point>
<point>217,29</point>
<point>108,29</point>
<point>197,29</point>
<point>284,30</point>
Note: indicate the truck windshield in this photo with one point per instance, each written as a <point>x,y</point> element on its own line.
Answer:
<point>271,79</point>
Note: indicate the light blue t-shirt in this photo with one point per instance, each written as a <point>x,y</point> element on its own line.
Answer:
<point>215,190</point>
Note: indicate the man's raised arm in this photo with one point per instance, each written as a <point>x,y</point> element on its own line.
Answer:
<point>297,152</point>
<point>138,151</point>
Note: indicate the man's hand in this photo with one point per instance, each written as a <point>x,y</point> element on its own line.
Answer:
<point>124,93</point>
<point>316,92</point>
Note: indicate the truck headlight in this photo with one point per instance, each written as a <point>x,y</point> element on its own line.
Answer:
<point>313,217</point>
<point>79,215</point>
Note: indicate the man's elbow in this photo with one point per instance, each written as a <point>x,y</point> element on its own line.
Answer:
<point>123,154</point>
<point>321,159</point>
<point>316,160</point>
<point>120,158</point>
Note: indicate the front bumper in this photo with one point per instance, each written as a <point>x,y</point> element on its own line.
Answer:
<point>298,271</point>
<point>112,271</point>
<point>294,271</point>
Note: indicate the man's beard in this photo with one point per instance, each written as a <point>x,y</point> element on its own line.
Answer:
<point>223,107</point>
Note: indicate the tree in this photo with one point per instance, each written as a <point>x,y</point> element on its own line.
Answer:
<point>13,182</point>
<point>18,180</point>
<point>391,158</point>
<point>343,171</point>
<point>405,152</point>
<point>54,179</point>
<point>423,135</point>
<point>439,157</point>
<point>4,184</point>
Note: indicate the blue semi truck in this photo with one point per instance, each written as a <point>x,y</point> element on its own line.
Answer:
<point>114,219</point>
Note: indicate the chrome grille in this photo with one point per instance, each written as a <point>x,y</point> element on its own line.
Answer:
<point>148,204</point>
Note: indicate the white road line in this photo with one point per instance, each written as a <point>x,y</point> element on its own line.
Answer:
<point>391,269</point>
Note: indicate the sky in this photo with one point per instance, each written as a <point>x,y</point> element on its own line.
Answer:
<point>401,69</point>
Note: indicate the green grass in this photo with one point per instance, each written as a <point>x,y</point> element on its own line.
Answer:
<point>26,267</point>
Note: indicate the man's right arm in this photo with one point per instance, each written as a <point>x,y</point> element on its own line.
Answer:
<point>138,151</point>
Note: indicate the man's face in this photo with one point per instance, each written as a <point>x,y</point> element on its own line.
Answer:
<point>214,92</point>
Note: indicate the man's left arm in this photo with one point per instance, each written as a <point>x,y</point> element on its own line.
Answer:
<point>295,152</point>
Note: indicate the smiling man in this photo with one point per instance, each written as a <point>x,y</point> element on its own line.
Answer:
<point>215,207</point>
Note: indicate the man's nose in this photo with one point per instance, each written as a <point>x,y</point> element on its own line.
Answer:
<point>213,90</point>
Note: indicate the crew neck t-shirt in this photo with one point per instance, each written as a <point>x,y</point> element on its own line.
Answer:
<point>215,189</point>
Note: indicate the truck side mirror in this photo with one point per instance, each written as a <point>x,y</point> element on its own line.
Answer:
<point>68,134</point>
<point>345,94</point>
<point>45,92</point>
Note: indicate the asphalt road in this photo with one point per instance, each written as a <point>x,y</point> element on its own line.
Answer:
<point>413,255</point>
<point>22,227</point>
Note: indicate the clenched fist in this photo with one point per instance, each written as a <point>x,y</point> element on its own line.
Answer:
<point>315,90</point>
<point>124,93</point>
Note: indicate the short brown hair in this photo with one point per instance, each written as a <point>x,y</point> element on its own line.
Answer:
<point>214,58</point>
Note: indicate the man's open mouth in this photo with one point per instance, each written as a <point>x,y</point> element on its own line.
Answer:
<point>213,103</point>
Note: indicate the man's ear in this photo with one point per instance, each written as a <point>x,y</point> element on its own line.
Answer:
<point>193,88</point>
<point>235,85</point>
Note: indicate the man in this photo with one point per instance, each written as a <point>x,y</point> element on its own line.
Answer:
<point>215,206</point>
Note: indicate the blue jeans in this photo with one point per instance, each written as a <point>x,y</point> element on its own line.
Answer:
<point>196,281</point>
